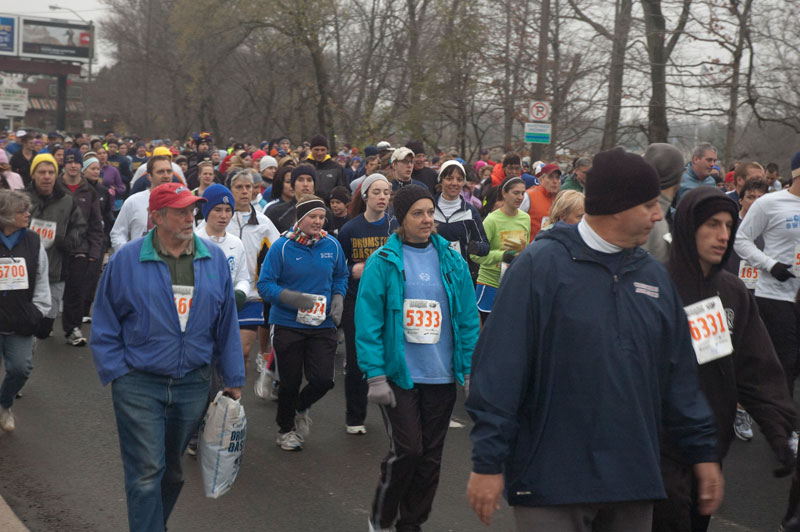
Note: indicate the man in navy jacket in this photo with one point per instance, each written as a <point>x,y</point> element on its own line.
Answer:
<point>569,397</point>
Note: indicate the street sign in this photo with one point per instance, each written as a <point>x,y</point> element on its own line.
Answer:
<point>13,101</point>
<point>538,132</point>
<point>539,111</point>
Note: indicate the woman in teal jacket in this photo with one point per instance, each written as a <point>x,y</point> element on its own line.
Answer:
<point>417,324</point>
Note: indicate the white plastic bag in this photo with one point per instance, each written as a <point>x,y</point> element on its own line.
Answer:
<point>221,444</point>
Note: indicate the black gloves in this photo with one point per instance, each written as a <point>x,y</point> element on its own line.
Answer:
<point>509,256</point>
<point>781,271</point>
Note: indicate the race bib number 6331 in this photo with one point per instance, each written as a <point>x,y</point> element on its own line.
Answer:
<point>711,336</point>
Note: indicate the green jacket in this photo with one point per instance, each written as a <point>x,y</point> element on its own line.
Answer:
<point>380,342</point>
<point>571,183</point>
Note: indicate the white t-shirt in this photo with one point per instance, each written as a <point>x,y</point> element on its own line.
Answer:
<point>131,222</point>
<point>776,217</point>
<point>237,261</point>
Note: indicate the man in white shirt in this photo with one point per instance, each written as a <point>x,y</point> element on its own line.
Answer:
<point>133,221</point>
<point>776,218</point>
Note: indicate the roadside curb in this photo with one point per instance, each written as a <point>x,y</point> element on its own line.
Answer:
<point>9,522</point>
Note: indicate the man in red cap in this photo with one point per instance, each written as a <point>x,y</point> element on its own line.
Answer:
<point>157,350</point>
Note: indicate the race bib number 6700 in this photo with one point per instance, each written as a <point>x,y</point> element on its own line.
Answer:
<point>13,274</point>
<point>711,336</point>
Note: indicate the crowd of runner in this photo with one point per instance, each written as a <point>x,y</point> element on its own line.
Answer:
<point>620,309</point>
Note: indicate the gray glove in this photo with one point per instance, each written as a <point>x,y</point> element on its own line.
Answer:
<point>466,386</point>
<point>379,392</point>
<point>298,300</point>
<point>337,307</point>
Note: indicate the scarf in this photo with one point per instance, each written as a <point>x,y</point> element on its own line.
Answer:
<point>303,239</point>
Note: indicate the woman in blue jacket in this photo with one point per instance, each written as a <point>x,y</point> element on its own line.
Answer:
<point>304,277</point>
<point>416,329</point>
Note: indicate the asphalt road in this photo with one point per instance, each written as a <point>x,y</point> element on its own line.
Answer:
<point>61,469</point>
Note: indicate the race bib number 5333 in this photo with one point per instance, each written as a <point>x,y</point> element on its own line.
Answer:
<point>708,323</point>
<point>422,321</point>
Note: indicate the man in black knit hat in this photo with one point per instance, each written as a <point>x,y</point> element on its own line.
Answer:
<point>569,408</point>
<point>329,173</point>
<point>422,172</point>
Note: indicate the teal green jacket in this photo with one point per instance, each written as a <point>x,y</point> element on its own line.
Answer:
<point>380,342</point>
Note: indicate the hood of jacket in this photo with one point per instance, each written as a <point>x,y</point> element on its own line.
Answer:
<point>684,262</point>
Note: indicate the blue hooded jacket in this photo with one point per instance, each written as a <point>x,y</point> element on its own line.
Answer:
<point>579,368</point>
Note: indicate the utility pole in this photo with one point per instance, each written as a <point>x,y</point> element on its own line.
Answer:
<point>541,70</point>
<point>87,115</point>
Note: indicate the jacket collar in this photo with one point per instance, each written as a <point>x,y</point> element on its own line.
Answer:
<point>392,251</point>
<point>148,252</point>
<point>568,236</point>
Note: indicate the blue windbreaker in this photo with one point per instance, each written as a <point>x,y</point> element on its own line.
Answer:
<point>320,269</point>
<point>135,323</point>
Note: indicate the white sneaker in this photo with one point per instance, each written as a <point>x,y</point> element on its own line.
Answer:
<point>793,442</point>
<point>261,362</point>
<point>289,441</point>
<point>75,337</point>
<point>743,425</point>
<point>262,384</point>
<point>356,429</point>
<point>302,425</point>
<point>373,528</point>
<point>86,319</point>
<point>6,420</point>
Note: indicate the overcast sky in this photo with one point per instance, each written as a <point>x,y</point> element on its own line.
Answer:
<point>88,9</point>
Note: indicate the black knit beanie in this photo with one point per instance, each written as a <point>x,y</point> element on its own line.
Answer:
<point>711,206</point>
<point>416,146</point>
<point>319,140</point>
<point>341,194</point>
<point>304,169</point>
<point>618,181</point>
<point>406,197</point>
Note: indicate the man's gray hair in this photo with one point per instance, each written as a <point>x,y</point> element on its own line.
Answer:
<point>583,162</point>
<point>701,150</point>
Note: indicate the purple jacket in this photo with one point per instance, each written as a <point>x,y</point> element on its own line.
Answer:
<point>112,180</point>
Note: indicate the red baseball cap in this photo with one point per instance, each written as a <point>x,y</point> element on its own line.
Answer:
<point>548,169</point>
<point>174,195</point>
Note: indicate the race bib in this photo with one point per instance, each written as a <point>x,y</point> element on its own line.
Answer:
<point>46,231</point>
<point>796,263</point>
<point>748,274</point>
<point>13,274</point>
<point>316,315</point>
<point>455,245</point>
<point>423,321</point>
<point>183,303</point>
<point>711,337</point>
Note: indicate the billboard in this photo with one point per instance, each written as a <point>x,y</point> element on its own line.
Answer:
<point>9,28</point>
<point>55,39</point>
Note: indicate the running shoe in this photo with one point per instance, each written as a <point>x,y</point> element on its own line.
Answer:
<point>191,449</point>
<point>289,441</point>
<point>302,425</point>
<point>743,425</point>
<point>76,337</point>
<point>261,362</point>
<point>373,528</point>
<point>263,384</point>
<point>6,420</point>
<point>86,319</point>
<point>356,429</point>
<point>793,442</point>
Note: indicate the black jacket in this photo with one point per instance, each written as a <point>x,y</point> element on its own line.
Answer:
<point>330,174</point>
<point>85,197</point>
<point>752,375</point>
